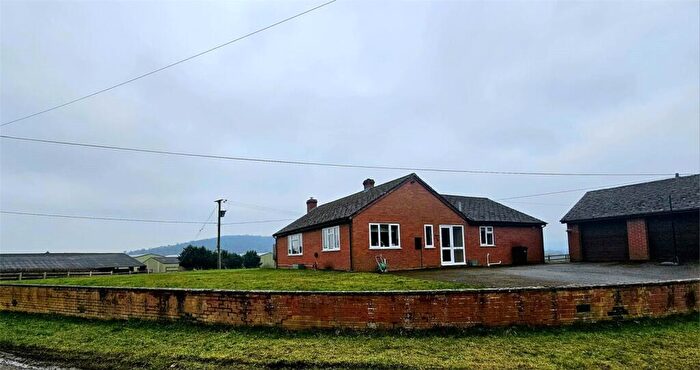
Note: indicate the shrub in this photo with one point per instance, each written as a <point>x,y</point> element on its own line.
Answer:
<point>251,259</point>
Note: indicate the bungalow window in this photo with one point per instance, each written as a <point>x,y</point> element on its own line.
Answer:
<point>486,236</point>
<point>428,231</point>
<point>331,238</point>
<point>294,245</point>
<point>384,236</point>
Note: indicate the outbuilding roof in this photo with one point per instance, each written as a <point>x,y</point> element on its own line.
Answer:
<point>473,208</point>
<point>11,262</point>
<point>167,260</point>
<point>481,210</point>
<point>638,199</point>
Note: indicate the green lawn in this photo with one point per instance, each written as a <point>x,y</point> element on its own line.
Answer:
<point>260,279</point>
<point>666,344</point>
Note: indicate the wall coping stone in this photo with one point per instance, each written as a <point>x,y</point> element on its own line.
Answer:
<point>358,292</point>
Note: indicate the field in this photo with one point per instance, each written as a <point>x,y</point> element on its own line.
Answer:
<point>670,343</point>
<point>260,279</point>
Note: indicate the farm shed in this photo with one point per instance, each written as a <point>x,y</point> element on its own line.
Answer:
<point>74,262</point>
<point>158,263</point>
<point>267,261</point>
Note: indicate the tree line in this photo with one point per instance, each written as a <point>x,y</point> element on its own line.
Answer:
<point>201,258</point>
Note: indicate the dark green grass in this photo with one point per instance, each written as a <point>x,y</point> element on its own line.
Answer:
<point>260,279</point>
<point>671,343</point>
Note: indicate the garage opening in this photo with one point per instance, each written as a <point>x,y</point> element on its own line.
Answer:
<point>687,237</point>
<point>604,241</point>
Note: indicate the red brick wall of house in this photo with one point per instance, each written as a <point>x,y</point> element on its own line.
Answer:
<point>362,310</point>
<point>574,235</point>
<point>637,240</point>
<point>312,243</point>
<point>411,206</point>
<point>505,238</point>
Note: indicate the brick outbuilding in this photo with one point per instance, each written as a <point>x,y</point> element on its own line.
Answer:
<point>410,225</point>
<point>651,221</point>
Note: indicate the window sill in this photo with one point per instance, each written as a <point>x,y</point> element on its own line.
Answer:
<point>383,248</point>
<point>454,264</point>
<point>488,245</point>
<point>330,250</point>
<point>295,255</point>
<point>429,247</point>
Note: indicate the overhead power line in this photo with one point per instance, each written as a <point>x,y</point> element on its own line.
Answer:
<point>259,208</point>
<point>168,65</point>
<point>541,204</point>
<point>573,190</point>
<point>321,164</point>
<point>204,224</point>
<point>103,218</point>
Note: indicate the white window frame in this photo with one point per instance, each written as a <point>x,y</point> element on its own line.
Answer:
<point>488,230</point>
<point>290,239</point>
<point>379,236</point>
<point>429,243</point>
<point>452,247</point>
<point>326,235</point>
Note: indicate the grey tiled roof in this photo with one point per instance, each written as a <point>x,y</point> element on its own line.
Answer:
<point>478,209</point>
<point>64,261</point>
<point>343,208</point>
<point>638,199</point>
<point>473,209</point>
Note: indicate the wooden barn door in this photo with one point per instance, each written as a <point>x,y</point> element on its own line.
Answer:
<point>687,237</point>
<point>604,241</point>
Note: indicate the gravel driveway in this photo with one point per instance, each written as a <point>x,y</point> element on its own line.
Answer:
<point>562,274</point>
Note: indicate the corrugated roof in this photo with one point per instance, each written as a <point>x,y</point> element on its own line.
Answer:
<point>11,262</point>
<point>479,209</point>
<point>638,199</point>
<point>167,260</point>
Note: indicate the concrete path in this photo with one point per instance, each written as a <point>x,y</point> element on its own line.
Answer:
<point>563,274</point>
<point>12,362</point>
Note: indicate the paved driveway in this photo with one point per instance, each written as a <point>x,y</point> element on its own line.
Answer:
<point>559,274</point>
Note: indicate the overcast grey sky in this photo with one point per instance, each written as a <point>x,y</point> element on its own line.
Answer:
<point>530,86</point>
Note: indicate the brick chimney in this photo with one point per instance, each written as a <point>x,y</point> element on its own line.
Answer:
<point>368,184</point>
<point>311,204</point>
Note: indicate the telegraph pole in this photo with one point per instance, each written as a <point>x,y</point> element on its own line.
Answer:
<point>218,231</point>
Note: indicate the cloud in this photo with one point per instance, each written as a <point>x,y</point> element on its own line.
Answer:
<point>501,86</point>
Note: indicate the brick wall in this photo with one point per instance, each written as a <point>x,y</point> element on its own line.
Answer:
<point>637,240</point>
<point>505,238</point>
<point>411,206</point>
<point>361,310</point>
<point>573,233</point>
<point>313,253</point>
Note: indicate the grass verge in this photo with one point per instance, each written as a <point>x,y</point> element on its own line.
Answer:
<point>260,279</point>
<point>670,343</point>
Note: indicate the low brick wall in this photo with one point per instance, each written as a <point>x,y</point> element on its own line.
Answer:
<point>360,310</point>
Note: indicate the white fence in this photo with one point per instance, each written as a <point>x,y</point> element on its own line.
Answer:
<point>556,258</point>
<point>61,274</point>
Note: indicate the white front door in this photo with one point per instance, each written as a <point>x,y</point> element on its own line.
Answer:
<point>452,245</point>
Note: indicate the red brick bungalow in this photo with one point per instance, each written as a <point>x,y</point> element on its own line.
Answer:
<point>409,224</point>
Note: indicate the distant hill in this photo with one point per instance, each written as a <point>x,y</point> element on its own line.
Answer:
<point>232,243</point>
